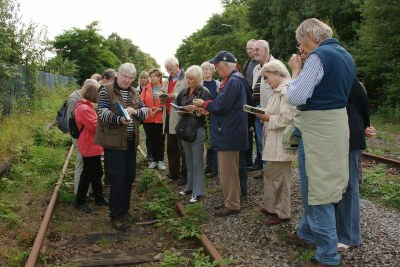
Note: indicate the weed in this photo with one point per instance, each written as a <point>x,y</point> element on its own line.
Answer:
<point>18,260</point>
<point>8,215</point>
<point>173,259</point>
<point>379,186</point>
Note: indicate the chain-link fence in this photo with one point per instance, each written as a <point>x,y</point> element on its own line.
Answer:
<point>17,82</point>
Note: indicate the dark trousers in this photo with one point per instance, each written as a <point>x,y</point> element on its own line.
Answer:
<point>157,140</point>
<point>91,174</point>
<point>121,170</point>
<point>176,155</point>
<point>148,142</point>
<point>249,152</point>
<point>243,172</point>
<point>211,159</point>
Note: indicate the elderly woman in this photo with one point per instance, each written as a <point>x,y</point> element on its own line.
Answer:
<point>194,149</point>
<point>278,114</point>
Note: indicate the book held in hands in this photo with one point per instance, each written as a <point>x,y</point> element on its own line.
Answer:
<point>123,111</point>
<point>253,110</point>
<point>178,108</point>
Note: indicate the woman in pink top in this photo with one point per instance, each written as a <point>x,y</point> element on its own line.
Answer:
<point>86,120</point>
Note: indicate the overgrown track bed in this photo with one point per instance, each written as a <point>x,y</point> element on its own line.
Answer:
<point>391,163</point>
<point>77,239</point>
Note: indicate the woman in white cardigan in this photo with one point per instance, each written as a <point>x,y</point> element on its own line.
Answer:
<point>277,175</point>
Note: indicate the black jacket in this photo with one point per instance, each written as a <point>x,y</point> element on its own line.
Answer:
<point>358,112</point>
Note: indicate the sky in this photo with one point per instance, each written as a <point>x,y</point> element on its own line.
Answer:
<point>157,27</point>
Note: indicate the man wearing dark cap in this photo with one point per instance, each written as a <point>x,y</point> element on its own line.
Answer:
<point>228,129</point>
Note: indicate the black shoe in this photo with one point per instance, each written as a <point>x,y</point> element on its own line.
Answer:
<point>120,224</point>
<point>207,169</point>
<point>84,208</point>
<point>102,202</point>
<point>255,167</point>
<point>185,192</point>
<point>129,218</point>
<point>212,174</point>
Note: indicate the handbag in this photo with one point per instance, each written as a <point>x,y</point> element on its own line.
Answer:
<point>186,128</point>
<point>289,140</point>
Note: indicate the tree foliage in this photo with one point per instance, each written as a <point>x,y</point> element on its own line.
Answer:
<point>378,54</point>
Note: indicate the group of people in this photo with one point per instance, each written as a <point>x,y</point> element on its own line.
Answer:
<point>322,100</point>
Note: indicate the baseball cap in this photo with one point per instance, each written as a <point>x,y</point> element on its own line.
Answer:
<point>223,56</point>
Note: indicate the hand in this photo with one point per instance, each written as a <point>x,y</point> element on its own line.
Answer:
<point>251,129</point>
<point>263,117</point>
<point>190,108</point>
<point>370,131</point>
<point>123,121</point>
<point>198,102</point>
<point>171,96</point>
<point>295,64</point>
<point>131,111</point>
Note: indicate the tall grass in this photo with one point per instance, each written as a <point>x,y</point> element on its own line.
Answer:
<point>18,129</point>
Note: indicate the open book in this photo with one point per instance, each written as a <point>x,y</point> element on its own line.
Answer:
<point>123,111</point>
<point>178,108</point>
<point>163,95</point>
<point>253,110</point>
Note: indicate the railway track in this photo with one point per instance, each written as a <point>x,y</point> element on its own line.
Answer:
<point>380,159</point>
<point>115,257</point>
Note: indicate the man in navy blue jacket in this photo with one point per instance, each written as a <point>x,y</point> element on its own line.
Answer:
<point>228,129</point>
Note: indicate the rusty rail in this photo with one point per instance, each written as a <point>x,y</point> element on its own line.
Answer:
<point>33,255</point>
<point>205,242</point>
<point>381,159</point>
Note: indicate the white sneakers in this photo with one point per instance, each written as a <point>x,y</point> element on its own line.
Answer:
<point>160,165</point>
<point>194,199</point>
<point>153,165</point>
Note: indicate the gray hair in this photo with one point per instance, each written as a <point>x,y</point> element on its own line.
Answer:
<point>128,68</point>
<point>264,44</point>
<point>314,29</point>
<point>207,64</point>
<point>275,67</point>
<point>196,73</point>
<point>173,61</point>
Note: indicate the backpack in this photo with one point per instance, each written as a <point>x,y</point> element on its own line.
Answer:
<point>61,118</point>
<point>73,126</point>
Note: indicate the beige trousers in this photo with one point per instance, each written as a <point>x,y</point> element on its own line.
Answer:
<point>228,172</point>
<point>277,183</point>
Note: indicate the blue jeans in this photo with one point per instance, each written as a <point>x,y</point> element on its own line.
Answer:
<point>348,209</point>
<point>318,223</point>
<point>258,136</point>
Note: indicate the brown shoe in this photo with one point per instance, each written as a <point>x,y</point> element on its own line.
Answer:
<point>225,212</point>
<point>276,220</point>
<point>314,263</point>
<point>218,207</point>
<point>293,238</point>
<point>267,213</point>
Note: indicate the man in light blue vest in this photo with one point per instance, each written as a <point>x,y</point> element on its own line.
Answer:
<point>320,90</point>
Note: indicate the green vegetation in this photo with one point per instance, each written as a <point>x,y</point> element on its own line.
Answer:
<point>381,187</point>
<point>197,259</point>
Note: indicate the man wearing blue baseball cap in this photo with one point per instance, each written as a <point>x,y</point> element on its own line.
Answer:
<point>228,129</point>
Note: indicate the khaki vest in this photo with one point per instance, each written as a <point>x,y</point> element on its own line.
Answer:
<point>114,136</point>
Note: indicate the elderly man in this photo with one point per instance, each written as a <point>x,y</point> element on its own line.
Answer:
<point>261,94</point>
<point>228,129</point>
<point>176,156</point>
<point>320,91</point>
<point>120,138</point>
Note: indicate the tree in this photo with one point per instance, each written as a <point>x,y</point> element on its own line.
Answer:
<point>87,48</point>
<point>378,60</point>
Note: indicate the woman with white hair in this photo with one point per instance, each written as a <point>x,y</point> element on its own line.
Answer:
<point>194,148</point>
<point>277,175</point>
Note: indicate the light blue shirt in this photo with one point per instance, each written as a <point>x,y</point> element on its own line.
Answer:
<point>302,88</point>
<point>174,79</point>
